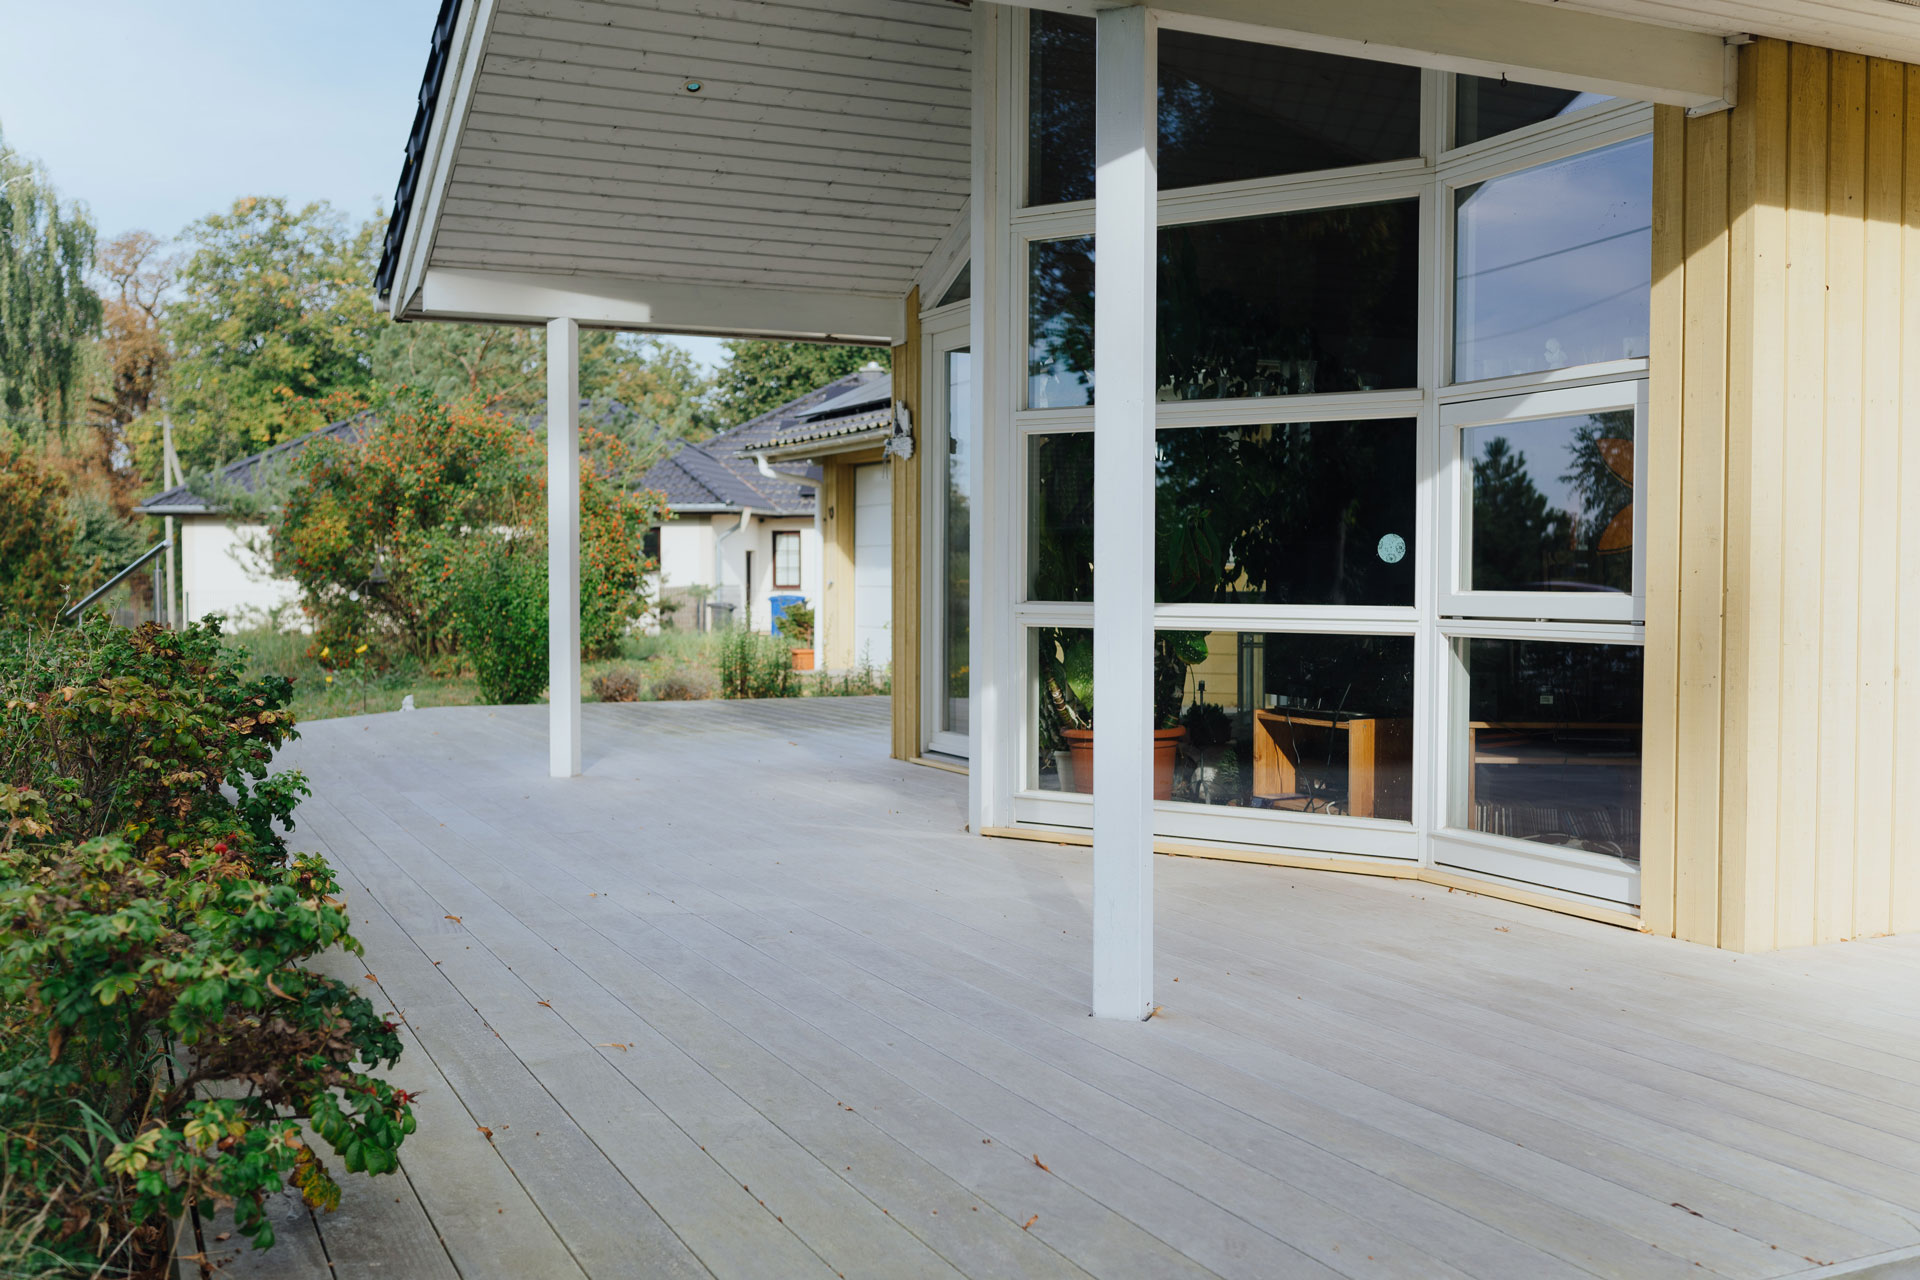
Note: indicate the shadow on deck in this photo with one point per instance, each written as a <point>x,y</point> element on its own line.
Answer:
<point>747,1001</point>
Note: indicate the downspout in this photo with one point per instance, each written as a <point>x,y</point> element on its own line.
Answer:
<point>720,561</point>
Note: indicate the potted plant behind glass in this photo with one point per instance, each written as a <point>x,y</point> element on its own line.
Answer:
<point>1066,703</point>
<point>796,624</point>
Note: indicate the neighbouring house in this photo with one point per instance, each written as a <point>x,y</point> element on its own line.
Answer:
<point>1502,408</point>
<point>795,502</point>
<point>224,563</point>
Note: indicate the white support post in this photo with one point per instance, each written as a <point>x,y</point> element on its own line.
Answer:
<point>1125,197</point>
<point>563,547</point>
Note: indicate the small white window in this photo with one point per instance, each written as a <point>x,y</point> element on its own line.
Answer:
<point>786,560</point>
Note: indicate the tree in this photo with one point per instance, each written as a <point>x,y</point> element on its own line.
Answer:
<point>759,376</point>
<point>47,309</point>
<point>36,537</point>
<point>275,316</point>
<point>1518,537</point>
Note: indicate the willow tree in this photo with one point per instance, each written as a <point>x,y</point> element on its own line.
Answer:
<point>47,310</point>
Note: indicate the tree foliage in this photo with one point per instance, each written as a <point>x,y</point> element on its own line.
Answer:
<point>377,533</point>
<point>47,309</point>
<point>760,376</point>
<point>274,316</point>
<point>37,573</point>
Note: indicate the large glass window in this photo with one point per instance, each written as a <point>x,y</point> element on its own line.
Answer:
<point>1553,737</point>
<point>1232,110</point>
<point>1318,513</point>
<point>1229,110</point>
<point>1060,516</point>
<point>1486,108</point>
<point>1552,504</point>
<point>1060,323</point>
<point>1258,720</point>
<point>1325,300</point>
<point>1552,265</point>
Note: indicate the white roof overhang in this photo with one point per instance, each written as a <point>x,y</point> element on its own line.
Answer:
<point>568,167</point>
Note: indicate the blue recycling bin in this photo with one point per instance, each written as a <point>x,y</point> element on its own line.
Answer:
<point>779,605</point>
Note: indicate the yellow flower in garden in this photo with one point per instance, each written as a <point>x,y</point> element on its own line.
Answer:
<point>329,679</point>
<point>325,651</point>
<point>361,649</point>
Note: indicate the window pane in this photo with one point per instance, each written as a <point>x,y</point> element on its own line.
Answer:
<point>1486,108</point>
<point>1060,516</point>
<point>1229,110</point>
<point>1326,300</point>
<point>1232,110</point>
<point>1060,323</point>
<point>1307,513</point>
<point>1552,504</point>
<point>786,560</point>
<point>1554,743</point>
<point>1059,108</point>
<point>956,572</point>
<point>1553,264</point>
<point>1294,723</point>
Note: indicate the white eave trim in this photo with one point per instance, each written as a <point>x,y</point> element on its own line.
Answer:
<point>443,137</point>
<point>664,306</point>
<point>827,446</point>
<point>1541,43</point>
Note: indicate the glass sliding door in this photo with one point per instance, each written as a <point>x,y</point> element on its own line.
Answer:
<point>947,579</point>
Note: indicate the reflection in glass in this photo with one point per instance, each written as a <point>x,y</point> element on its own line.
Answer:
<point>1324,300</point>
<point>1553,264</point>
<point>1060,323</point>
<point>1232,110</point>
<point>1306,513</point>
<point>1552,504</point>
<point>1059,108</point>
<point>1553,736</point>
<point>1486,108</point>
<point>1299,723</point>
<point>1060,516</point>
<point>1229,110</point>
<point>962,287</point>
<point>956,572</point>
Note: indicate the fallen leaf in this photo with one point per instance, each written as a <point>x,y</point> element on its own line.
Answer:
<point>1695,1212</point>
<point>547,1003</point>
<point>223,1237</point>
<point>1029,1222</point>
<point>371,978</point>
<point>485,1131</point>
<point>1043,1168</point>
<point>621,1047</point>
<point>1500,928</point>
<point>455,919</point>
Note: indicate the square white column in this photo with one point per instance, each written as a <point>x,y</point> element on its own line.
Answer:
<point>1125,257</point>
<point>563,547</point>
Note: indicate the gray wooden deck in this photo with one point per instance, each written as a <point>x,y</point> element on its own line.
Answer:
<point>746,1001</point>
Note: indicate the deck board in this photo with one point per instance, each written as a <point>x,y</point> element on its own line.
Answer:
<point>850,1028</point>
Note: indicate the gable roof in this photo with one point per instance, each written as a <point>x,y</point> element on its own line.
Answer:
<point>720,473</point>
<point>248,472</point>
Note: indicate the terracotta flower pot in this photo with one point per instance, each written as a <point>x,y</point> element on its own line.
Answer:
<point>803,659</point>
<point>1166,743</point>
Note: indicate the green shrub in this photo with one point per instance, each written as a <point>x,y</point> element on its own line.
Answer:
<point>501,602</point>
<point>618,685</point>
<point>796,624</point>
<point>752,665</point>
<point>684,686</point>
<point>152,932</point>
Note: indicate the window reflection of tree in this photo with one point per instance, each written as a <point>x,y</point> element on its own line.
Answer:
<point>1060,323</point>
<point>1522,541</point>
<point>1284,514</point>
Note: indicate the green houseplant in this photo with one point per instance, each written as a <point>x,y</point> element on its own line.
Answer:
<point>1066,702</point>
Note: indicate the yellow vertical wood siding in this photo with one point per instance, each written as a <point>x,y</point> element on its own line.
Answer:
<point>908,737</point>
<point>1783,609</point>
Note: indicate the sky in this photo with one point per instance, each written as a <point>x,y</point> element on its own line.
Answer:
<point>155,114</point>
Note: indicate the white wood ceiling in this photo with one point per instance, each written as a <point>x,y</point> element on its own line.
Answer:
<point>826,149</point>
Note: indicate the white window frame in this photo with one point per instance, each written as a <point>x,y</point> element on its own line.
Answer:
<point>1005,791</point>
<point>942,330</point>
<point>1457,599</point>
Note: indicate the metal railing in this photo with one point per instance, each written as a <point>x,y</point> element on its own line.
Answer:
<point>159,593</point>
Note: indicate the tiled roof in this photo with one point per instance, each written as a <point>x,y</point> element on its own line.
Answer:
<point>247,473</point>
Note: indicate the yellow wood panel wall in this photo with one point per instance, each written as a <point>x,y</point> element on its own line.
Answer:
<point>1783,611</point>
<point>835,618</point>
<point>907,736</point>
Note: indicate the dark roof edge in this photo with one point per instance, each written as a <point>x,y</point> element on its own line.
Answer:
<point>438,55</point>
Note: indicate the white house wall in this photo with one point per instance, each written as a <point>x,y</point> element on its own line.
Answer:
<point>221,572</point>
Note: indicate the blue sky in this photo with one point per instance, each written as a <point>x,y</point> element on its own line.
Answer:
<point>155,113</point>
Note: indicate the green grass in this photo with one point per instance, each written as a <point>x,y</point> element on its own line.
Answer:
<point>448,682</point>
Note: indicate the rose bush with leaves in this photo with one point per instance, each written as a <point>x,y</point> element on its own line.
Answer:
<point>163,1040</point>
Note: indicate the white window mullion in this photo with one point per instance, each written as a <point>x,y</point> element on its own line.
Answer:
<point>1125,219</point>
